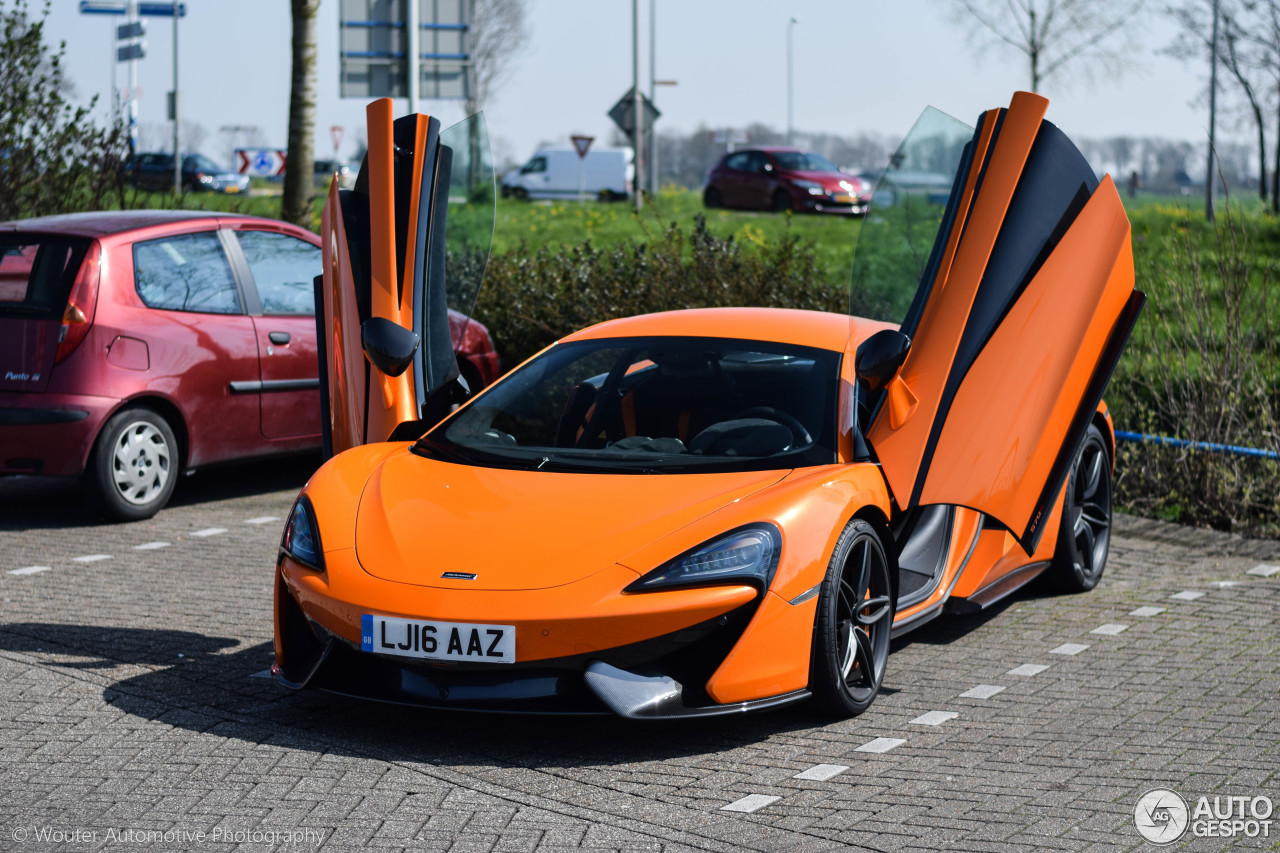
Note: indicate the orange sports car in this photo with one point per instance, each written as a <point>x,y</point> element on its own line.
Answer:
<point>706,511</point>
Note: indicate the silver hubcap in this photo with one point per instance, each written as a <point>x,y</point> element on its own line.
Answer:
<point>140,464</point>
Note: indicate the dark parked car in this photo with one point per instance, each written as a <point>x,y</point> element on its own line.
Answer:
<point>137,344</point>
<point>154,171</point>
<point>326,169</point>
<point>781,179</point>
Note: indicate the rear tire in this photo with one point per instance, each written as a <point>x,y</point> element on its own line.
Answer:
<point>133,467</point>
<point>1084,534</point>
<point>851,631</point>
<point>711,198</point>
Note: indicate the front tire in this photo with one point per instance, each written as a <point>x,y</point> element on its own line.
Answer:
<point>781,202</point>
<point>855,617</point>
<point>1084,534</point>
<point>134,465</point>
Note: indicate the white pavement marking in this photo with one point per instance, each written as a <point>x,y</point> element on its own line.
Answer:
<point>881,744</point>
<point>150,546</point>
<point>1110,629</point>
<point>210,531</point>
<point>1068,649</point>
<point>982,691</point>
<point>1262,570</point>
<point>1226,584</point>
<point>266,673</point>
<point>1028,669</point>
<point>821,772</point>
<point>750,803</point>
<point>934,718</point>
<point>1146,610</point>
<point>1188,595</point>
<point>91,558</point>
<point>262,519</point>
<point>29,570</point>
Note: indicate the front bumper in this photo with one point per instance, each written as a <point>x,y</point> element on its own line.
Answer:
<point>609,664</point>
<point>49,434</point>
<point>838,205</point>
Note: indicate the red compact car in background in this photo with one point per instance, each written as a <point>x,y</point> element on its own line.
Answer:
<point>135,345</point>
<point>781,179</point>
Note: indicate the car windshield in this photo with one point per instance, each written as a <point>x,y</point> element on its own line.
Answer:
<point>896,240</point>
<point>201,163</point>
<point>652,405</point>
<point>798,161</point>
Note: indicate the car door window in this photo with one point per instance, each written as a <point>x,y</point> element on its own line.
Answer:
<point>739,162</point>
<point>759,163</point>
<point>283,268</point>
<point>188,272</point>
<point>537,164</point>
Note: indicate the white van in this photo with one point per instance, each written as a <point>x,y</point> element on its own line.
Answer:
<point>554,173</point>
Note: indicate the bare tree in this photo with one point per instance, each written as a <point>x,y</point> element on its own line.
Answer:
<point>1055,36</point>
<point>299,183</point>
<point>1241,45</point>
<point>498,34</point>
<point>1267,39</point>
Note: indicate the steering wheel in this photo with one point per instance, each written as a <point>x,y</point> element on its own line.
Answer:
<point>798,431</point>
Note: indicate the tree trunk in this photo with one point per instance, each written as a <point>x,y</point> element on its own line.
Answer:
<point>1262,154</point>
<point>1275,171</point>
<point>299,182</point>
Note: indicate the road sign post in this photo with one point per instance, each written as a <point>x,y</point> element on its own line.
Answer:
<point>582,144</point>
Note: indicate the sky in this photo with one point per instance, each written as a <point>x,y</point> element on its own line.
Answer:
<point>859,66</point>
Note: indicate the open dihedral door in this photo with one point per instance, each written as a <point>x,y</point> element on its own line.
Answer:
<point>384,309</point>
<point>1024,307</point>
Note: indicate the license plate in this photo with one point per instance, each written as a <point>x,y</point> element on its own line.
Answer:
<point>233,189</point>
<point>429,640</point>
<point>844,199</point>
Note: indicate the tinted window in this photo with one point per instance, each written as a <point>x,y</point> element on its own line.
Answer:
<point>283,268</point>
<point>200,163</point>
<point>186,273</point>
<point>36,273</point>
<point>537,164</point>
<point>739,161</point>
<point>758,162</point>
<point>796,161</point>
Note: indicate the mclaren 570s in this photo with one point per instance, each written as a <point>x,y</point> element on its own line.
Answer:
<point>706,511</point>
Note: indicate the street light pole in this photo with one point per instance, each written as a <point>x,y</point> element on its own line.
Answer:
<point>177,110</point>
<point>637,136</point>
<point>790,89</point>
<point>412,73</point>
<point>653,98</point>
<point>1213,116</point>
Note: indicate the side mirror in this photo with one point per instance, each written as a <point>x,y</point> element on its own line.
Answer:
<point>388,346</point>
<point>879,357</point>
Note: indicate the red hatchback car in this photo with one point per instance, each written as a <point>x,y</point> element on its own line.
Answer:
<point>781,179</point>
<point>138,344</point>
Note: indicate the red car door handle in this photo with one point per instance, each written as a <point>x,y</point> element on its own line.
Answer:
<point>280,338</point>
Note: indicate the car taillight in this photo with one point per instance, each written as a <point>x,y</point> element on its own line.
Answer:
<point>77,317</point>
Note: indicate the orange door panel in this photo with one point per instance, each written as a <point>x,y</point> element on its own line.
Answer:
<point>1022,322</point>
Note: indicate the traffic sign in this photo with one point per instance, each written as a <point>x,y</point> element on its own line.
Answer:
<point>135,30</point>
<point>132,50</point>
<point>624,112</point>
<point>104,7</point>
<point>335,133</point>
<point>581,144</point>
<point>260,162</point>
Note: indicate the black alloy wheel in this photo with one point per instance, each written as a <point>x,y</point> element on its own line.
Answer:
<point>1084,536</point>
<point>855,617</point>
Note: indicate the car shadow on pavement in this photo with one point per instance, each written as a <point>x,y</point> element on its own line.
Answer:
<point>50,503</point>
<point>202,683</point>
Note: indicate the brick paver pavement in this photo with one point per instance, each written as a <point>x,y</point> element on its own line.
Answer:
<point>130,717</point>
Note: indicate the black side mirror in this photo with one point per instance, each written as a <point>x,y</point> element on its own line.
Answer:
<point>388,346</point>
<point>879,357</point>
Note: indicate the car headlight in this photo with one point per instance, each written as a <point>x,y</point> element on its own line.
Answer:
<point>813,187</point>
<point>747,554</point>
<point>301,539</point>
